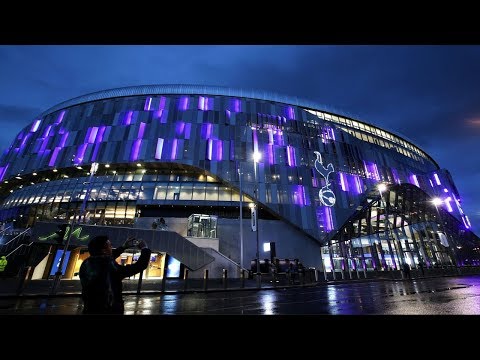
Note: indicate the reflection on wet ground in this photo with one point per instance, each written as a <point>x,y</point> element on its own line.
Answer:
<point>437,296</point>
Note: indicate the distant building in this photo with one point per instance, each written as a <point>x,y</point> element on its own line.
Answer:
<point>175,150</point>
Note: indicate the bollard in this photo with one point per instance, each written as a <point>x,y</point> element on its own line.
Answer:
<point>274,278</point>
<point>316,275</point>
<point>259,280</point>
<point>139,284</point>
<point>205,280</point>
<point>163,283</point>
<point>225,279</point>
<point>242,278</point>
<point>185,279</point>
<point>24,279</point>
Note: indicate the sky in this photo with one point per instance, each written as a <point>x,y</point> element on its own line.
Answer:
<point>430,94</point>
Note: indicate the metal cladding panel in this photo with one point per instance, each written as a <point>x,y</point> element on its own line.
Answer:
<point>186,89</point>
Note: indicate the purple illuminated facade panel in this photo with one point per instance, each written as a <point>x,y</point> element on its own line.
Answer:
<point>158,115</point>
<point>80,153</point>
<point>98,141</point>
<point>457,202</point>
<point>298,193</point>
<point>219,150</point>
<point>314,178</point>
<point>63,140</point>
<point>47,131</point>
<point>162,102</point>
<point>437,180</point>
<point>148,103</point>
<point>35,126</point>
<point>371,170</point>
<point>396,178</point>
<point>235,105</point>
<point>183,103</point>
<point>159,148</point>
<point>92,134</point>
<point>291,156</point>
<point>43,147</point>
<point>3,171</point>
<point>141,130</point>
<point>24,141</point>
<point>128,118</point>
<point>179,128</point>
<point>135,149</point>
<point>101,132</point>
<point>201,103</point>
<point>206,131</point>
<point>327,218</point>
<point>60,117</point>
<point>228,114</point>
<point>209,149</point>
<point>447,204</point>
<point>414,180</point>
<point>290,113</point>
<point>343,181</point>
<point>270,136</point>
<point>270,155</point>
<point>53,158</point>
<point>188,129</point>
<point>329,133</point>
<point>232,149</point>
<point>358,184</point>
<point>205,103</point>
<point>255,140</point>
<point>279,136</point>
<point>173,155</point>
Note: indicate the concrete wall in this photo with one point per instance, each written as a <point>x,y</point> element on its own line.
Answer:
<point>290,242</point>
<point>215,268</point>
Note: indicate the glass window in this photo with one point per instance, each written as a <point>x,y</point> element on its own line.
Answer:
<point>186,191</point>
<point>224,194</point>
<point>160,192</point>
<point>199,192</point>
<point>173,191</point>
<point>146,191</point>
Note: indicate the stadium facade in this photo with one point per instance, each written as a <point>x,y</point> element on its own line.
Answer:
<point>332,191</point>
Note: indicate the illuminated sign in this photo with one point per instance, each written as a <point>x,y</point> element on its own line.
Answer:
<point>56,262</point>
<point>327,197</point>
<point>173,267</point>
<point>76,233</point>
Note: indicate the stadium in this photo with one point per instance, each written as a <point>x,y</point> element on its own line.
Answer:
<point>237,175</point>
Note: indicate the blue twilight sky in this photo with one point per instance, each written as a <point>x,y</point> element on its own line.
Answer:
<point>429,94</point>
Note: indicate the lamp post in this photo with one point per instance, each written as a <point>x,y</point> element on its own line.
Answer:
<point>241,217</point>
<point>58,274</point>
<point>256,158</point>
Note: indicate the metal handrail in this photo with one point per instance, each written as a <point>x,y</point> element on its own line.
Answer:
<point>18,247</point>
<point>23,232</point>
<point>2,231</point>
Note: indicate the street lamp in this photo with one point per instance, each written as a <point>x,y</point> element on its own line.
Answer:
<point>58,274</point>
<point>256,158</point>
<point>241,216</point>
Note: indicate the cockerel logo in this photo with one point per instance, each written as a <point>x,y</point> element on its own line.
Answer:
<point>327,197</point>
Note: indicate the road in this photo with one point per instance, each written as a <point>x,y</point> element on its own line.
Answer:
<point>434,296</point>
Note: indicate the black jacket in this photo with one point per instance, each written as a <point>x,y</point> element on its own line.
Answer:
<point>93,272</point>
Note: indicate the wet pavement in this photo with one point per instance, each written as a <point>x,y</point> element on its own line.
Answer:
<point>428,296</point>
